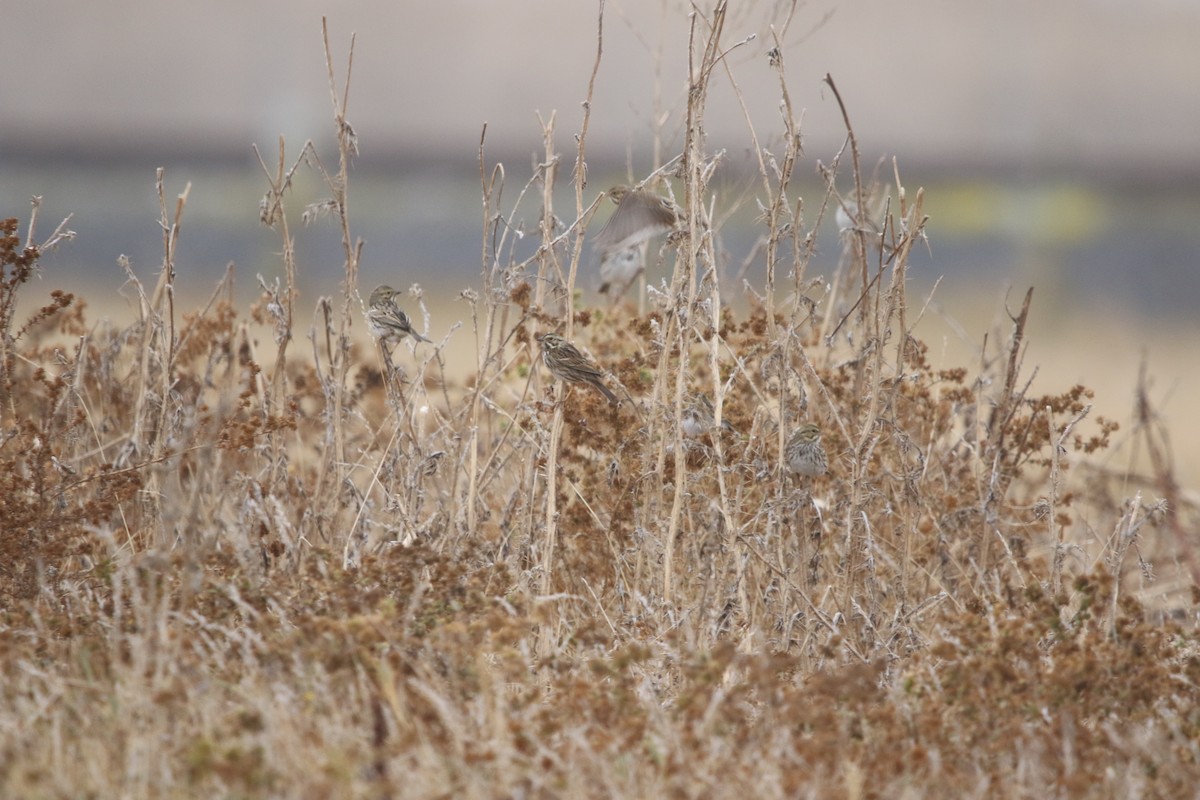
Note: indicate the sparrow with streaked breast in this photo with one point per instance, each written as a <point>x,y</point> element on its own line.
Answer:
<point>386,321</point>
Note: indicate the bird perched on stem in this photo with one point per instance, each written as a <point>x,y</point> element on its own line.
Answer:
<point>699,417</point>
<point>804,454</point>
<point>849,219</point>
<point>386,321</point>
<point>566,363</point>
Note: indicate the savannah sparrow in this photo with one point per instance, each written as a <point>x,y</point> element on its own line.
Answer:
<point>640,215</point>
<point>849,219</point>
<point>386,321</point>
<point>566,363</point>
<point>804,453</point>
<point>698,417</point>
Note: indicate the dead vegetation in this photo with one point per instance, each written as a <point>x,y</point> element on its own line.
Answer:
<point>237,570</point>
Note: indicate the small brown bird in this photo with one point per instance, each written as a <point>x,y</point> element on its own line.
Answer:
<point>804,453</point>
<point>640,215</point>
<point>848,219</point>
<point>699,417</point>
<point>386,321</point>
<point>566,363</point>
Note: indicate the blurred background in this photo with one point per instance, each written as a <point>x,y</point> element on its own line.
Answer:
<point>1058,144</point>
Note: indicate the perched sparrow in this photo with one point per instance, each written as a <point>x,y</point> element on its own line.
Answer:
<point>386,321</point>
<point>849,219</point>
<point>618,268</point>
<point>804,453</point>
<point>698,417</point>
<point>640,215</point>
<point>566,363</point>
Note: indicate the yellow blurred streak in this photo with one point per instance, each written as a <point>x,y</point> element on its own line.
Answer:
<point>1049,214</point>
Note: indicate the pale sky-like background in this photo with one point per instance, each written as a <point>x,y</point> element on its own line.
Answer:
<point>1073,84</point>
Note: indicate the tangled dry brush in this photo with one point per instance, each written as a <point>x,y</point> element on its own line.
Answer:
<point>240,559</point>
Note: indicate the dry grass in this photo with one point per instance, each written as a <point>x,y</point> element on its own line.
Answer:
<point>231,570</point>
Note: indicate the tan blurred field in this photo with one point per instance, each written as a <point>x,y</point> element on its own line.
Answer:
<point>1104,349</point>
